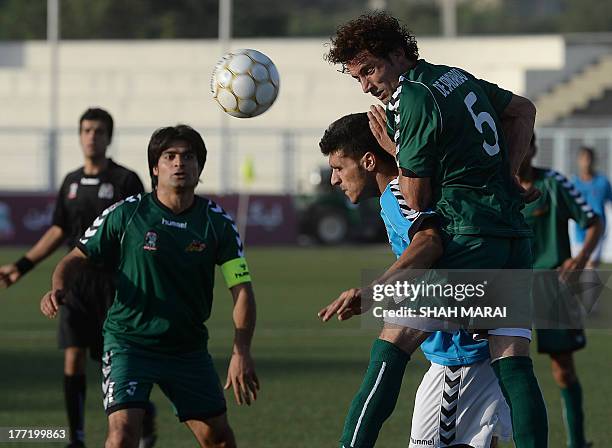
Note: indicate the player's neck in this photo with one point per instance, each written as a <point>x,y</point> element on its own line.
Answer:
<point>176,201</point>
<point>384,177</point>
<point>587,175</point>
<point>93,167</point>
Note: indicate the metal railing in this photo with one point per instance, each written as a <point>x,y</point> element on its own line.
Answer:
<point>283,159</point>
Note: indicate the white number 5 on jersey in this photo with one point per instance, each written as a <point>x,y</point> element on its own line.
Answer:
<point>479,120</point>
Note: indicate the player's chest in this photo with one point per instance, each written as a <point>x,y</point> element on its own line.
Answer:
<point>91,193</point>
<point>170,240</point>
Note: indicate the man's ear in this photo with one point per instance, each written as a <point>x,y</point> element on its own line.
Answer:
<point>368,161</point>
<point>155,171</point>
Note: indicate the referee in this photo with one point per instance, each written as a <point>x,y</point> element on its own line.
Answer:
<point>84,194</point>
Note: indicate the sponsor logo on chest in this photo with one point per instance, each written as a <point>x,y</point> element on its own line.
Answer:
<point>150,241</point>
<point>195,246</point>
<point>106,191</point>
<point>72,190</point>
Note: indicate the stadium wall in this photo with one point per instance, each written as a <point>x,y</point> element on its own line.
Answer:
<point>147,84</point>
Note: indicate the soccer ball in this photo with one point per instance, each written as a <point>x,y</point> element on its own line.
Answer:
<point>245,83</point>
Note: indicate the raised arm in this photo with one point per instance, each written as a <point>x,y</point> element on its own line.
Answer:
<point>45,246</point>
<point>241,372</point>
<point>422,252</point>
<point>65,269</point>
<point>517,120</point>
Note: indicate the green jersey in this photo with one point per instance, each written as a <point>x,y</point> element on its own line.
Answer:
<point>165,270</point>
<point>445,126</point>
<point>548,216</point>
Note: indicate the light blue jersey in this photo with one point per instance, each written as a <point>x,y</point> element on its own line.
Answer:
<point>448,349</point>
<point>596,192</point>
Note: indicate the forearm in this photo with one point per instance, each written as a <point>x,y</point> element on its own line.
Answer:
<point>423,251</point>
<point>592,237</point>
<point>244,316</point>
<point>66,268</point>
<point>46,245</point>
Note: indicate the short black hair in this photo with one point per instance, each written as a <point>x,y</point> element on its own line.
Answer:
<point>378,33</point>
<point>95,113</point>
<point>163,138</point>
<point>351,134</point>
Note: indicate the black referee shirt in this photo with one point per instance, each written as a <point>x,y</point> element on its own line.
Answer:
<point>83,197</point>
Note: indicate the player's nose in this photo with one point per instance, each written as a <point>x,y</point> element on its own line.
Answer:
<point>335,179</point>
<point>365,85</point>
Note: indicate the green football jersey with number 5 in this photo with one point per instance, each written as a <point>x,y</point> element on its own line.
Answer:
<point>165,270</point>
<point>445,126</point>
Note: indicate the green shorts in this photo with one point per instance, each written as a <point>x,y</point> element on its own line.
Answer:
<point>503,265</point>
<point>560,341</point>
<point>485,252</point>
<point>189,380</point>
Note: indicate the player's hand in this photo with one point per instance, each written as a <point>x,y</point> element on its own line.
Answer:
<point>49,305</point>
<point>528,194</point>
<point>8,275</point>
<point>347,305</point>
<point>242,378</point>
<point>378,126</point>
<point>571,268</point>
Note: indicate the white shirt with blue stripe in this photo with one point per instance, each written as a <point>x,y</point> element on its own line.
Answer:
<point>448,349</point>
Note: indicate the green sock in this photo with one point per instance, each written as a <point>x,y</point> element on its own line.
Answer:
<point>574,418</point>
<point>520,387</point>
<point>376,397</point>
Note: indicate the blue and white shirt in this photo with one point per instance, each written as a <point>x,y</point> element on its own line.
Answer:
<point>448,349</point>
<point>596,192</point>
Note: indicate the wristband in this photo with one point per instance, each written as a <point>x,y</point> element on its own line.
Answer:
<point>24,264</point>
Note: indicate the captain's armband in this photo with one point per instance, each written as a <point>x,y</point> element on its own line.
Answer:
<point>236,271</point>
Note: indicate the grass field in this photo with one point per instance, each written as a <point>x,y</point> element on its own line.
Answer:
<point>308,371</point>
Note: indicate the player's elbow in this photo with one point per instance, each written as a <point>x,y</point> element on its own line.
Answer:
<point>434,243</point>
<point>431,242</point>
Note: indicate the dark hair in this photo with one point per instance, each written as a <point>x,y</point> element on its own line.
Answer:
<point>95,113</point>
<point>351,134</point>
<point>587,150</point>
<point>378,32</point>
<point>163,138</point>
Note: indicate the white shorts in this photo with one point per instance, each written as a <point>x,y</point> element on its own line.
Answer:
<point>459,405</point>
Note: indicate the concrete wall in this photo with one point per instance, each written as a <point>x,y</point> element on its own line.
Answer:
<point>147,84</point>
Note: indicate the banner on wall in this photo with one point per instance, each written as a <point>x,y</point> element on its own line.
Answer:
<point>271,219</point>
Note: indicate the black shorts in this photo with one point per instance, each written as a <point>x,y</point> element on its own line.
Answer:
<point>553,341</point>
<point>82,315</point>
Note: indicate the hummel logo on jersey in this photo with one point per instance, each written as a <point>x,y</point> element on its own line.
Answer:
<point>422,442</point>
<point>179,225</point>
<point>90,181</point>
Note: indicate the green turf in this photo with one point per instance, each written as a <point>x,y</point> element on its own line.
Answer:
<point>308,371</point>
